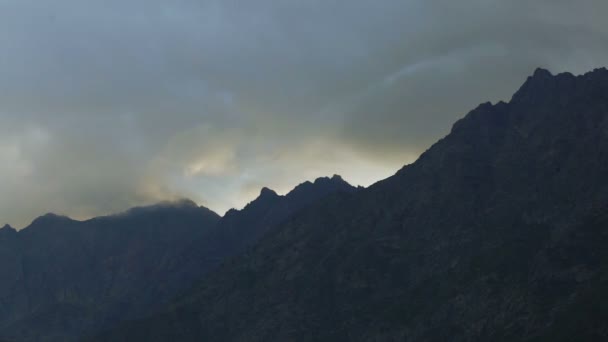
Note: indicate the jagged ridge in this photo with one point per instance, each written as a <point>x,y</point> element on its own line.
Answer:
<point>62,279</point>
<point>496,233</point>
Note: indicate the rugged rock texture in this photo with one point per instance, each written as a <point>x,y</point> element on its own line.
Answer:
<point>497,233</point>
<point>62,279</point>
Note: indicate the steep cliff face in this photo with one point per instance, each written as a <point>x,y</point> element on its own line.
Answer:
<point>496,233</point>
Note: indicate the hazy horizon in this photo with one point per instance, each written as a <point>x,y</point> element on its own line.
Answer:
<point>165,202</point>
<point>115,104</point>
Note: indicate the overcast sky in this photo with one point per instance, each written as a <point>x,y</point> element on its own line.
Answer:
<point>110,104</point>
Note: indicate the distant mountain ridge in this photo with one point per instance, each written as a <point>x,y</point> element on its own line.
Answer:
<point>270,209</point>
<point>62,278</point>
<point>496,233</point>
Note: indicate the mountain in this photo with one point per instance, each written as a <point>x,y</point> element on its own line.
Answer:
<point>497,233</point>
<point>62,279</point>
<point>239,229</point>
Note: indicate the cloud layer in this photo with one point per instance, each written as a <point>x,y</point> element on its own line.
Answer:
<point>110,104</point>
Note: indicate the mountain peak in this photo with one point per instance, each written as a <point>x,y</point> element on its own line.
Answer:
<point>334,179</point>
<point>179,205</point>
<point>337,177</point>
<point>542,73</point>
<point>52,217</point>
<point>267,193</point>
<point>265,199</point>
<point>306,191</point>
<point>7,228</point>
<point>598,73</point>
<point>543,85</point>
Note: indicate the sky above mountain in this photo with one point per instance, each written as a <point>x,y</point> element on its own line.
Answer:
<point>110,104</point>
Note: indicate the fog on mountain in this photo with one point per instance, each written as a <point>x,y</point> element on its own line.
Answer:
<point>497,232</point>
<point>303,171</point>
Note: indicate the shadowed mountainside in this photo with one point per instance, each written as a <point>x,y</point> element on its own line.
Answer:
<point>238,230</point>
<point>497,233</point>
<point>63,278</point>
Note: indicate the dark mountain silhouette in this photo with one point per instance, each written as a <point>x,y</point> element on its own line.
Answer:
<point>238,229</point>
<point>7,230</point>
<point>497,233</point>
<point>62,279</point>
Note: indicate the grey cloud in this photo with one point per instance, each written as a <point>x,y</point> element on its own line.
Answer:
<point>108,104</point>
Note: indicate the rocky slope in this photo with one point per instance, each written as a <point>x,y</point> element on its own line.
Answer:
<point>62,279</point>
<point>497,233</point>
<point>239,229</point>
